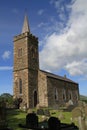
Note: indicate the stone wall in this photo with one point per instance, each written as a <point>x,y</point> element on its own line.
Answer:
<point>42,89</point>
<point>32,86</point>
<point>20,52</point>
<point>36,83</point>
<point>26,65</point>
<point>23,75</point>
<point>61,86</point>
<point>67,91</point>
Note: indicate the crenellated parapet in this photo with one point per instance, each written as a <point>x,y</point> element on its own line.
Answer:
<point>25,35</point>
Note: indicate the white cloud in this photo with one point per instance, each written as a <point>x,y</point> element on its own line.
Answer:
<point>77,68</point>
<point>2,68</point>
<point>63,8</point>
<point>42,24</point>
<point>40,12</point>
<point>6,55</point>
<point>68,50</point>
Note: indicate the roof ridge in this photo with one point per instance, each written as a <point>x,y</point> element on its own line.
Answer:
<point>49,74</point>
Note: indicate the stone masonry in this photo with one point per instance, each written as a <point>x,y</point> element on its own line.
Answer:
<point>33,85</point>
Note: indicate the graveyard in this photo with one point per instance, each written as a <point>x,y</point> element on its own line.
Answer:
<point>40,118</point>
<point>16,117</point>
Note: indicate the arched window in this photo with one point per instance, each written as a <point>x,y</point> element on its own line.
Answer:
<point>20,52</point>
<point>20,86</point>
<point>64,94</point>
<point>32,52</point>
<point>35,98</point>
<point>56,94</point>
<point>76,95</point>
<point>70,95</point>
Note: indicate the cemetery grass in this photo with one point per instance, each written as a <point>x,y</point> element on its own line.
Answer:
<point>15,117</point>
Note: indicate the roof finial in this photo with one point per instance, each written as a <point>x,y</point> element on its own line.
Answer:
<point>25,25</point>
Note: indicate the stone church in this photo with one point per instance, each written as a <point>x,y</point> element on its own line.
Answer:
<point>34,86</point>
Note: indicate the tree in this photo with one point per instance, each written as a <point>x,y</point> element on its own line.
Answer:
<point>17,102</point>
<point>8,98</point>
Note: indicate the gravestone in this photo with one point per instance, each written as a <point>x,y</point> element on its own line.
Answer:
<point>3,123</point>
<point>80,114</point>
<point>31,120</point>
<point>46,112</point>
<point>43,118</point>
<point>54,123</point>
<point>40,112</point>
<point>25,108</point>
<point>86,116</point>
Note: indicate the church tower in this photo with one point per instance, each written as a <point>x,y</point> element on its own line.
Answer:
<point>26,65</point>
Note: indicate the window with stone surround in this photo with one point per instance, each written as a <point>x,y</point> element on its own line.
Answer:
<point>76,95</point>
<point>64,94</point>
<point>20,52</point>
<point>32,52</point>
<point>56,94</point>
<point>20,86</point>
<point>70,95</point>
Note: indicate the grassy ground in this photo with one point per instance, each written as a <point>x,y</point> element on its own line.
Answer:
<point>15,117</point>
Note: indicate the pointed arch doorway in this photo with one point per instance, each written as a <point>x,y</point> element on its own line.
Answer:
<point>35,98</point>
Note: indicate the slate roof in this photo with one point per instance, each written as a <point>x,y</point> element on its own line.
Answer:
<point>51,75</point>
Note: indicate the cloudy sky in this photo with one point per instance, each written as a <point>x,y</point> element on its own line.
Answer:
<point>60,25</point>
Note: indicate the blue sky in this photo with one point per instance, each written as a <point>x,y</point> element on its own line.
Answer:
<point>60,25</point>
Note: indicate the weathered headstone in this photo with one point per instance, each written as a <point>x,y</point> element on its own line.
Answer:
<point>86,116</point>
<point>80,114</point>
<point>29,111</point>
<point>40,112</point>
<point>3,123</point>
<point>25,108</point>
<point>54,123</point>
<point>46,112</point>
<point>70,102</point>
<point>44,118</point>
<point>31,120</point>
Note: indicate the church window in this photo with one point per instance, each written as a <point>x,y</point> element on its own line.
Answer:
<point>70,95</point>
<point>76,95</point>
<point>33,53</point>
<point>64,94</point>
<point>20,86</point>
<point>20,52</point>
<point>56,94</point>
<point>35,98</point>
